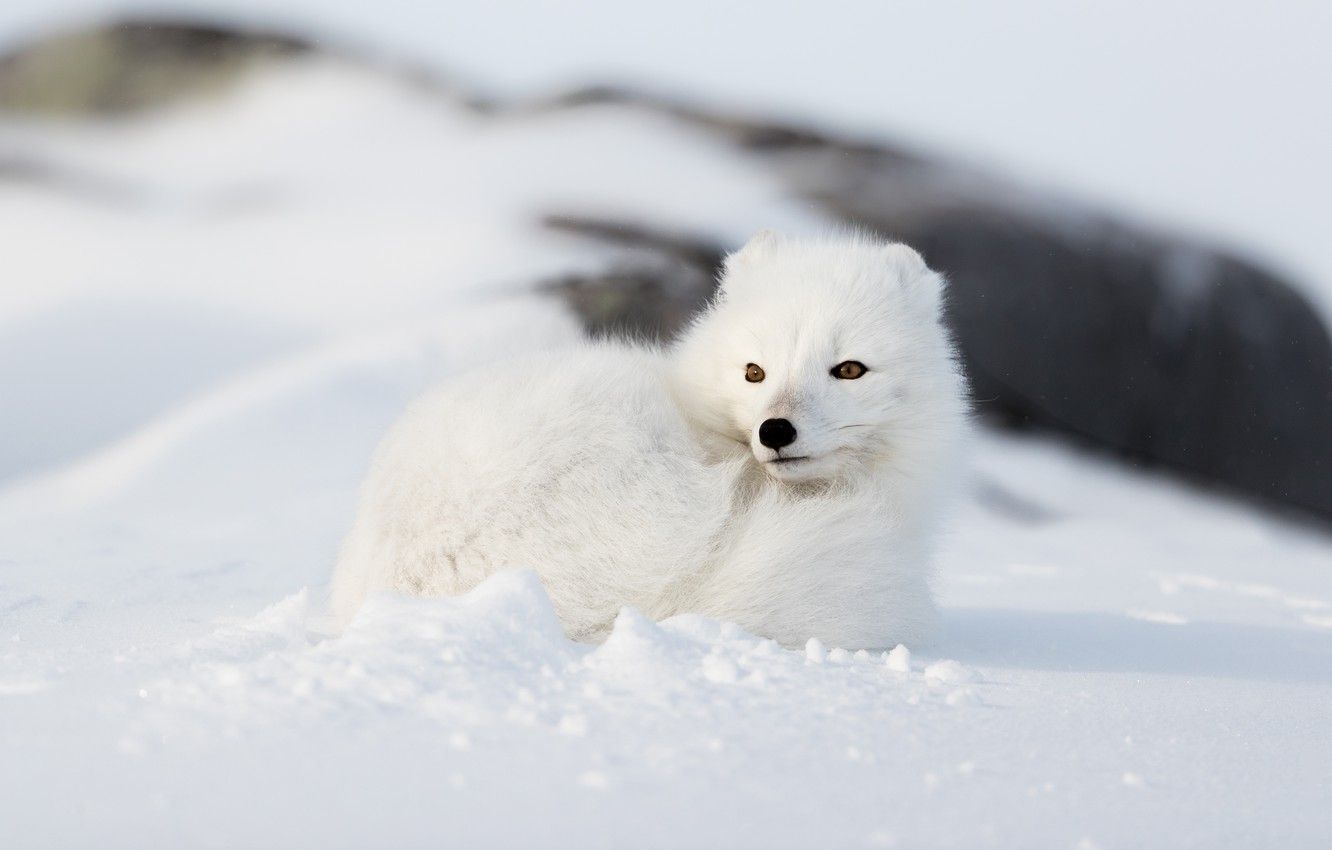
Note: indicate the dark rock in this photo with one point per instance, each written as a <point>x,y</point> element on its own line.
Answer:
<point>133,65</point>
<point>692,250</point>
<point>656,284</point>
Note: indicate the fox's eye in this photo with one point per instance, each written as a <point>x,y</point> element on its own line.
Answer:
<point>754,373</point>
<point>849,370</point>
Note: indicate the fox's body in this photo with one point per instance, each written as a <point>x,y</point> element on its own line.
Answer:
<point>734,475</point>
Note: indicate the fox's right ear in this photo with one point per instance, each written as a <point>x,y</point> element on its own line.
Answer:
<point>758,245</point>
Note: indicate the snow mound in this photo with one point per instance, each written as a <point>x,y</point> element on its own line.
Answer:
<point>495,656</point>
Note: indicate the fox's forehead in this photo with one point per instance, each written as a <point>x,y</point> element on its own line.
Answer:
<point>800,302</point>
<point>815,315</point>
<point>845,291</point>
<point>806,282</point>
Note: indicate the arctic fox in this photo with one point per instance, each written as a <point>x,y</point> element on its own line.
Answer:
<point>782,466</point>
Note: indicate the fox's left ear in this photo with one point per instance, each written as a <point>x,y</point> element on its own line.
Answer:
<point>923,286</point>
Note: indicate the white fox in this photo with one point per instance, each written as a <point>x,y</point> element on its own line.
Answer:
<point>783,466</point>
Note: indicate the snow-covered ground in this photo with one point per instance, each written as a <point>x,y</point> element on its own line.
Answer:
<point>1125,661</point>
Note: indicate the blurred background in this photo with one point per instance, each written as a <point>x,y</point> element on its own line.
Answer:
<point>1129,200</point>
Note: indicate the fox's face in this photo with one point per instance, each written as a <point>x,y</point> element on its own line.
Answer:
<point>823,357</point>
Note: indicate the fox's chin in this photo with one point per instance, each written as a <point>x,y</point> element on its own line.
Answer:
<point>795,470</point>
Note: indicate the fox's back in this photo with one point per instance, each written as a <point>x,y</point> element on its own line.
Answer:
<point>576,464</point>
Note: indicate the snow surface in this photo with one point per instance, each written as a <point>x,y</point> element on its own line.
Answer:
<point>1125,661</point>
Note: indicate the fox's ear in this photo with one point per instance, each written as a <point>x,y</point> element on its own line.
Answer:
<point>758,245</point>
<point>923,285</point>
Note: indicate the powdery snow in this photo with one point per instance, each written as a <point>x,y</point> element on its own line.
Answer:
<point>1124,661</point>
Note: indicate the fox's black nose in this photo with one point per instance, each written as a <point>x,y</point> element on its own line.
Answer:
<point>775,433</point>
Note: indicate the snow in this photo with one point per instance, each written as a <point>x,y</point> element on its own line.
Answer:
<point>1124,661</point>
<point>898,659</point>
<point>815,652</point>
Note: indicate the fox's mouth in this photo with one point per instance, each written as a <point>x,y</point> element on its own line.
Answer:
<point>794,469</point>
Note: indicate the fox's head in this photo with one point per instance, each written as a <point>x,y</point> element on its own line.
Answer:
<point>825,358</point>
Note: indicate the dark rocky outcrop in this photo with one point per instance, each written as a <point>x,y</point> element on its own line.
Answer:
<point>127,66</point>
<point>1166,352</point>
<point>1150,345</point>
<point>659,281</point>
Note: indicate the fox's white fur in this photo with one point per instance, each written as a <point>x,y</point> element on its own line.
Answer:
<point>630,476</point>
